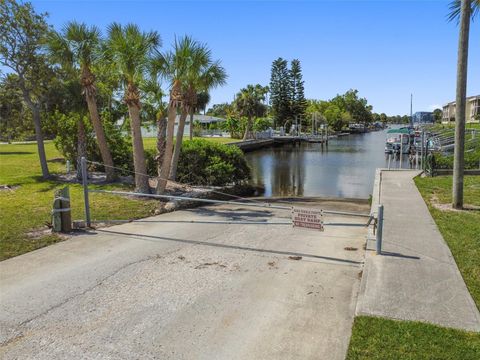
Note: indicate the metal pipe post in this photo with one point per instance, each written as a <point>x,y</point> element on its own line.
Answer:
<point>389,159</point>
<point>85,191</point>
<point>379,229</point>
<point>421,147</point>
<point>401,150</point>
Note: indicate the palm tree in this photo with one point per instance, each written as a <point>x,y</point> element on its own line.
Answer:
<point>131,52</point>
<point>168,66</point>
<point>154,92</point>
<point>463,11</point>
<point>203,75</point>
<point>203,98</point>
<point>77,48</point>
<point>249,102</point>
<point>188,68</point>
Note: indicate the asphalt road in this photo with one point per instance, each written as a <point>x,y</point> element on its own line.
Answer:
<point>167,288</point>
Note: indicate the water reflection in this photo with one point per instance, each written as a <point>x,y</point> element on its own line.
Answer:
<point>346,168</point>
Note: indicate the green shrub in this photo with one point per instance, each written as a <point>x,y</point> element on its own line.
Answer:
<point>203,162</point>
<point>66,126</point>
<point>472,157</point>
<point>262,124</point>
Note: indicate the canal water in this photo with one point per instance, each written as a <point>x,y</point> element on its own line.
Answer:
<point>346,168</point>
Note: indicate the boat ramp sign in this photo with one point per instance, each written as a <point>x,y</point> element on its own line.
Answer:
<point>307,218</point>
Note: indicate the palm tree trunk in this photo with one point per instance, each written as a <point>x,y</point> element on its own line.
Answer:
<point>81,146</point>
<point>40,143</point>
<point>141,179</point>
<point>191,124</point>
<point>167,159</point>
<point>459,150</point>
<point>161,142</point>
<point>247,130</point>
<point>178,145</point>
<point>101,139</point>
<point>38,133</point>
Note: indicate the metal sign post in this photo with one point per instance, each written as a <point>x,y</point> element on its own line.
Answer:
<point>379,229</point>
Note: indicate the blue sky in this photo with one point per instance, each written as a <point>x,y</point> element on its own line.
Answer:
<point>385,49</point>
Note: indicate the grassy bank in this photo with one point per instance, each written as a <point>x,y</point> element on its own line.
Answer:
<point>25,209</point>
<point>461,230</point>
<point>437,127</point>
<point>377,338</point>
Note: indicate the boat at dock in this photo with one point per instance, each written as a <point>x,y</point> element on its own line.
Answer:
<point>357,128</point>
<point>399,140</point>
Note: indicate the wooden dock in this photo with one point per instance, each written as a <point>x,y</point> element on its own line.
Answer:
<point>254,144</point>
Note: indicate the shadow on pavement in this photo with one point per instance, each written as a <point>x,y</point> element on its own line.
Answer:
<point>206,243</point>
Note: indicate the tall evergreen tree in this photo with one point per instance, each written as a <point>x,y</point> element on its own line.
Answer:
<point>280,92</point>
<point>297,92</point>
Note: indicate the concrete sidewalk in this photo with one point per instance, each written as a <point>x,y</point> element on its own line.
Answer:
<point>416,278</point>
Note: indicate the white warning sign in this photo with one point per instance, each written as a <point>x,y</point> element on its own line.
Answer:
<point>307,218</point>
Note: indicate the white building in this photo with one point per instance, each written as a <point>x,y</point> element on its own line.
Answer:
<point>472,111</point>
<point>204,120</point>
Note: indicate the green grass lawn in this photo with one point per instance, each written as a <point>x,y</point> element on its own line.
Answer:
<point>26,209</point>
<point>461,230</point>
<point>377,338</point>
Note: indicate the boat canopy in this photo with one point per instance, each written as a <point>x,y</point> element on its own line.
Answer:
<point>399,131</point>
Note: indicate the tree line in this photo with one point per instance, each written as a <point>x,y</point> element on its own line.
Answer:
<point>76,82</point>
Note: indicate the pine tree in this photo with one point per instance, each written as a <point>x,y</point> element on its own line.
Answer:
<point>297,92</point>
<point>280,92</point>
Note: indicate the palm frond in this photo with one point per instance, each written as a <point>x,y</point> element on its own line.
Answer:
<point>456,6</point>
<point>133,53</point>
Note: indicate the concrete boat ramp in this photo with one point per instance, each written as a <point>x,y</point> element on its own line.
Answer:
<point>167,288</point>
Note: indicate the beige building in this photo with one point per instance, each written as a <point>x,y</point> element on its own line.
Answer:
<point>472,111</point>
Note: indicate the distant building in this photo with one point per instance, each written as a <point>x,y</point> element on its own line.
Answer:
<point>202,119</point>
<point>205,121</point>
<point>472,110</point>
<point>423,117</point>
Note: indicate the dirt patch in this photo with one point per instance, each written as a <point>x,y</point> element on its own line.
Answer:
<point>41,232</point>
<point>448,207</point>
<point>9,187</point>
<point>350,248</point>
<point>272,265</point>
<point>295,257</point>
<point>38,233</point>
<point>207,264</point>
<point>360,273</point>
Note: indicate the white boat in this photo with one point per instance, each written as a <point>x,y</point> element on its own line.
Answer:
<point>398,140</point>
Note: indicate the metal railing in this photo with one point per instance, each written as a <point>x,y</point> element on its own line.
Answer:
<point>378,222</point>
